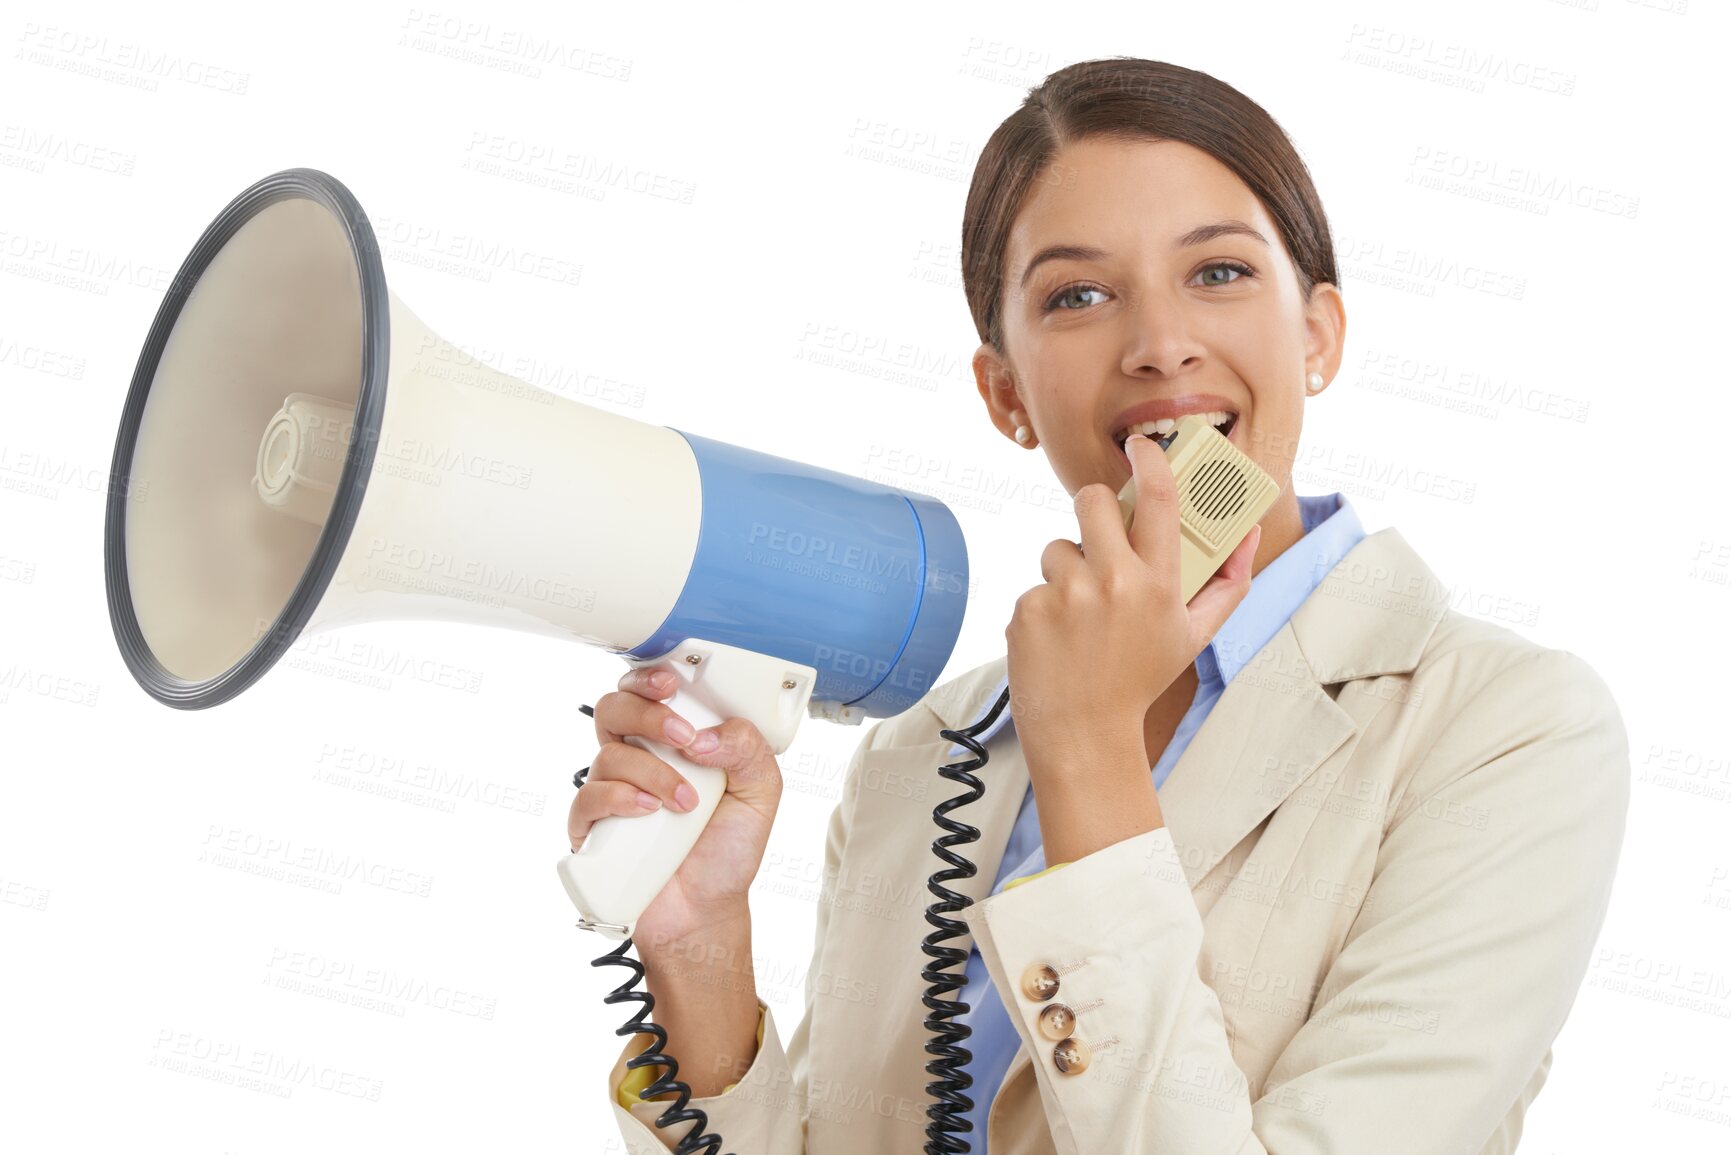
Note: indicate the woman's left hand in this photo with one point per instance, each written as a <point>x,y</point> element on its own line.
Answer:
<point>1092,648</point>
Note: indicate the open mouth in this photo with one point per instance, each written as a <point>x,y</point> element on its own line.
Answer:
<point>1162,432</point>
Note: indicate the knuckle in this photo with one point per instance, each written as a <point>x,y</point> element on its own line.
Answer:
<point>607,708</point>
<point>628,801</point>
<point>730,737</point>
<point>741,738</point>
<point>663,780</point>
<point>620,799</point>
<point>606,762</point>
<point>1122,586</point>
<point>596,804</point>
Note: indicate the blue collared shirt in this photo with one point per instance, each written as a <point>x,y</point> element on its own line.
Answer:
<point>1331,529</point>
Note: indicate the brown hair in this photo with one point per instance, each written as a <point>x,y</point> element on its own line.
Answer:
<point>1134,99</point>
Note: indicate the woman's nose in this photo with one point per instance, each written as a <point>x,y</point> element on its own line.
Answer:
<point>1160,336</point>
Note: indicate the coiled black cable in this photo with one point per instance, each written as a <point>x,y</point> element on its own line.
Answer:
<point>677,1112</point>
<point>695,1140</point>
<point>953,1081</point>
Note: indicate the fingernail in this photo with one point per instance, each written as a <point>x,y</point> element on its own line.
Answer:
<point>647,800</point>
<point>661,679</point>
<point>685,797</point>
<point>678,729</point>
<point>705,741</point>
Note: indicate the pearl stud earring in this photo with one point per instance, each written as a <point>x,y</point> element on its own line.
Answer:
<point>1313,384</point>
<point>1024,433</point>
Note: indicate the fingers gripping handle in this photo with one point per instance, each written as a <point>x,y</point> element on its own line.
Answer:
<point>625,862</point>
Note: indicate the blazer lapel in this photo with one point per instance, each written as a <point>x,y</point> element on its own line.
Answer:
<point>1270,729</point>
<point>1276,722</point>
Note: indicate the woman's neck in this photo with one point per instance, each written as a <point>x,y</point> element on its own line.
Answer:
<point>1282,526</point>
<point>1162,719</point>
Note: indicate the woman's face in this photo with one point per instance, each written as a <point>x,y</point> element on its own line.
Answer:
<point>1189,323</point>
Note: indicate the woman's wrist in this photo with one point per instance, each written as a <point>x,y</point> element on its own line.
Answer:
<point>716,955</point>
<point>705,991</point>
<point>725,925</point>
<point>1094,795</point>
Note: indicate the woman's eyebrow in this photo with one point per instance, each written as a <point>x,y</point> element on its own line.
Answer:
<point>1200,235</point>
<point>1061,253</point>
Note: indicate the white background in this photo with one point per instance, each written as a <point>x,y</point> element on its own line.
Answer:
<point>1527,205</point>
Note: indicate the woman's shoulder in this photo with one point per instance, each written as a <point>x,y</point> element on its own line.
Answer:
<point>1476,661</point>
<point>953,703</point>
<point>1383,609</point>
<point>1492,714</point>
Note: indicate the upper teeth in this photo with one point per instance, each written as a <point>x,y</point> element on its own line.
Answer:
<point>1166,425</point>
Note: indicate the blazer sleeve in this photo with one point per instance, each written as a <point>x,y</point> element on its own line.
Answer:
<point>1443,1002</point>
<point>631,1088</point>
<point>764,1113</point>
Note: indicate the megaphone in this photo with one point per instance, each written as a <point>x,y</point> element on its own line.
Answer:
<point>299,452</point>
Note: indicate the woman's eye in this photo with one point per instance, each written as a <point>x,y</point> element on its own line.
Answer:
<point>1069,291</point>
<point>1234,266</point>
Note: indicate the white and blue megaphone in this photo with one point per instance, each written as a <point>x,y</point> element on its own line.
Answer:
<point>299,452</point>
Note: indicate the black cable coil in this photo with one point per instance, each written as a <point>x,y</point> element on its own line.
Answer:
<point>950,1089</point>
<point>695,1140</point>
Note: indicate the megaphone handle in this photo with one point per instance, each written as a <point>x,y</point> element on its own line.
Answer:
<point>626,861</point>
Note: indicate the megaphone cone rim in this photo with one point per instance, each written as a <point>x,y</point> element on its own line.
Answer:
<point>156,679</point>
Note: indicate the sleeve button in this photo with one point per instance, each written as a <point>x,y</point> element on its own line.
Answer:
<point>1039,983</point>
<point>1057,1022</point>
<point>1071,1055</point>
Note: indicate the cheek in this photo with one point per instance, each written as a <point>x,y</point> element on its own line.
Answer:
<point>1275,375</point>
<point>1058,394</point>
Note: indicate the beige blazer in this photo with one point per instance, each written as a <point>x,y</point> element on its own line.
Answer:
<point>1387,856</point>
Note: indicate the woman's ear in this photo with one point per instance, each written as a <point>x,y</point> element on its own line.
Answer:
<point>998,390</point>
<point>1324,330</point>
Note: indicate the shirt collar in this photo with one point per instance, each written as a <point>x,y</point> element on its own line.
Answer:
<point>1331,529</point>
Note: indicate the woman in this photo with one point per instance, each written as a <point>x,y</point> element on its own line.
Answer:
<point>1349,908</point>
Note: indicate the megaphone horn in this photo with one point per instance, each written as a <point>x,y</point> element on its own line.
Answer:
<point>312,460</point>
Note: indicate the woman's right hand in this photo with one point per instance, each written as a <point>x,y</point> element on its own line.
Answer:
<point>712,884</point>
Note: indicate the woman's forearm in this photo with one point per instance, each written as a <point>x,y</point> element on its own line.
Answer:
<point>1094,795</point>
<point>705,992</point>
